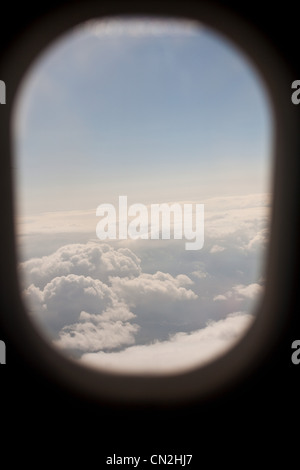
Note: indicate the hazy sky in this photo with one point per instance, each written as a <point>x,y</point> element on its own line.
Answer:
<point>160,112</point>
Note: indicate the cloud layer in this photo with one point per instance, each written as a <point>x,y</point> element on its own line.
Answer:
<point>84,313</point>
<point>151,305</point>
<point>182,351</point>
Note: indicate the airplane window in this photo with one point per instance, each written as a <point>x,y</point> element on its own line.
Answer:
<point>142,173</point>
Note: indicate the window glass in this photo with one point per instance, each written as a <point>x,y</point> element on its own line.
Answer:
<point>142,173</point>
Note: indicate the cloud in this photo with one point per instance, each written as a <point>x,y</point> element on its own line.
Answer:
<point>80,221</point>
<point>259,239</point>
<point>63,299</point>
<point>238,219</point>
<point>153,287</point>
<point>251,291</point>
<point>97,332</point>
<point>219,297</point>
<point>199,274</point>
<point>85,313</point>
<point>100,298</point>
<point>240,292</point>
<point>91,259</point>
<point>217,249</point>
<point>182,351</point>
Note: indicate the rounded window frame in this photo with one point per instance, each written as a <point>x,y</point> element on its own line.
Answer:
<point>257,343</point>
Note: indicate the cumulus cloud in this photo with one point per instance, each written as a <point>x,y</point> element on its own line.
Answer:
<point>84,313</point>
<point>251,291</point>
<point>153,287</point>
<point>112,303</point>
<point>240,292</point>
<point>219,297</point>
<point>259,239</point>
<point>91,259</point>
<point>64,298</point>
<point>182,351</point>
<point>98,332</point>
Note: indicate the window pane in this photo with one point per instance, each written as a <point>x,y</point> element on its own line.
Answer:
<point>143,193</point>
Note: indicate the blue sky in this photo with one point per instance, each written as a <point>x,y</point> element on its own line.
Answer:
<point>162,113</point>
<point>176,113</point>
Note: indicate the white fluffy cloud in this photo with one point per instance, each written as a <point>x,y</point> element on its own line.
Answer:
<point>258,239</point>
<point>239,219</point>
<point>180,352</point>
<point>153,287</point>
<point>250,292</point>
<point>85,313</point>
<point>198,274</point>
<point>97,298</point>
<point>219,297</point>
<point>97,332</point>
<point>91,259</point>
<point>240,292</point>
<point>63,299</point>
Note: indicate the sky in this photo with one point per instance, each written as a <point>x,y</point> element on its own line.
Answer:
<point>161,112</point>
